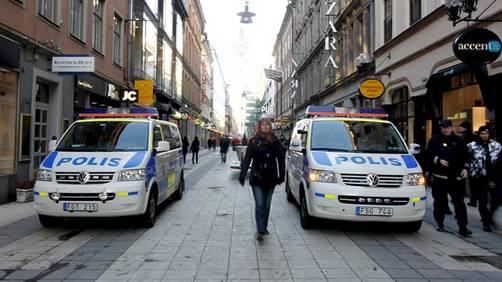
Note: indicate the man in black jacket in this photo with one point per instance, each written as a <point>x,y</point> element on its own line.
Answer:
<point>448,162</point>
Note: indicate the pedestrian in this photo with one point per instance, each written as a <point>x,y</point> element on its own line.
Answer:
<point>465,132</point>
<point>497,195</point>
<point>195,150</point>
<point>209,143</point>
<point>224,145</point>
<point>184,148</point>
<point>267,171</point>
<point>484,153</point>
<point>448,162</point>
<point>283,142</point>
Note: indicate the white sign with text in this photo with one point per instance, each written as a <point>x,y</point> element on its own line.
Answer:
<point>73,64</point>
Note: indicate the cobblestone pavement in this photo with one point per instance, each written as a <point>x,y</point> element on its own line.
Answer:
<point>209,236</point>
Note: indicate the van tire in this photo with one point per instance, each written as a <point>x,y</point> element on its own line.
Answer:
<point>147,219</point>
<point>306,220</point>
<point>48,221</point>
<point>289,195</point>
<point>178,194</point>
<point>413,227</point>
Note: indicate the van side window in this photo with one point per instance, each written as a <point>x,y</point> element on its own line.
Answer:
<point>304,126</point>
<point>167,134</point>
<point>157,135</point>
<point>176,137</point>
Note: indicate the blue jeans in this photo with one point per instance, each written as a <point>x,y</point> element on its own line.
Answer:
<point>223,157</point>
<point>263,199</point>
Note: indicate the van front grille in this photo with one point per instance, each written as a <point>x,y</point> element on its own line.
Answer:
<point>385,181</point>
<point>95,178</point>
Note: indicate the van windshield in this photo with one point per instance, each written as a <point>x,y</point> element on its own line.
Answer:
<point>109,136</point>
<point>356,136</point>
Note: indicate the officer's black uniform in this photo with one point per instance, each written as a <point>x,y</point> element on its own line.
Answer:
<point>447,179</point>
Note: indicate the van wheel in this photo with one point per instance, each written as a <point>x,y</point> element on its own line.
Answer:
<point>413,227</point>
<point>178,194</point>
<point>306,220</point>
<point>147,220</point>
<point>289,196</point>
<point>48,221</point>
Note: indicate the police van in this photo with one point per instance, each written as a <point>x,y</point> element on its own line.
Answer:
<point>112,163</point>
<point>353,165</point>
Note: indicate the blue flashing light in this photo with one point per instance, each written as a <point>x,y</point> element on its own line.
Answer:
<point>120,112</point>
<point>345,112</point>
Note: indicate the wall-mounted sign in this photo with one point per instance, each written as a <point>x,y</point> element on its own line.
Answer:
<point>330,32</point>
<point>130,95</point>
<point>145,92</point>
<point>371,88</point>
<point>477,46</point>
<point>73,64</point>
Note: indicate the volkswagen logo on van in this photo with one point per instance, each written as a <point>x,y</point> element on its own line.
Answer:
<point>372,180</point>
<point>83,177</point>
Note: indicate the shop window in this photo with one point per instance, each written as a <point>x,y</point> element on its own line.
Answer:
<point>97,22</point>
<point>153,5</point>
<point>399,111</point>
<point>8,98</point>
<point>77,18</point>
<point>415,11</point>
<point>464,104</point>
<point>387,22</point>
<point>150,50</point>
<point>117,40</point>
<point>48,9</point>
<point>168,19</point>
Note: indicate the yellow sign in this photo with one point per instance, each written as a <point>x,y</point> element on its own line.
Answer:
<point>145,92</point>
<point>371,88</point>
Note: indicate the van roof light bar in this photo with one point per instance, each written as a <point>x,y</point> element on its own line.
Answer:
<point>119,112</point>
<point>316,111</point>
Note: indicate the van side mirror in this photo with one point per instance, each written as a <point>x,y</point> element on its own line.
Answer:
<point>163,146</point>
<point>414,149</point>
<point>52,145</point>
<point>301,131</point>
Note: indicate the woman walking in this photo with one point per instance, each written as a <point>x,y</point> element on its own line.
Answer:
<point>195,150</point>
<point>484,153</point>
<point>265,150</point>
<point>184,148</point>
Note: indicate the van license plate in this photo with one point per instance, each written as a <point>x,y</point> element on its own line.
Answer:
<point>80,207</point>
<point>371,211</point>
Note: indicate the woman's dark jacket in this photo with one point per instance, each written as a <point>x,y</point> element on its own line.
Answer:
<point>267,158</point>
<point>195,145</point>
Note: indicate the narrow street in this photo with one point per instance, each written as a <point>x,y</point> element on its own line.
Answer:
<point>209,235</point>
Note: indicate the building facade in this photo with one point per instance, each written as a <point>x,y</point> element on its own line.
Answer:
<point>285,89</point>
<point>427,83</point>
<point>328,36</point>
<point>191,77</point>
<point>37,104</point>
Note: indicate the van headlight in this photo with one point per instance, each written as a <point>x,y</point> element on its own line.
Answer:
<point>324,176</point>
<point>132,175</point>
<point>44,175</point>
<point>415,179</point>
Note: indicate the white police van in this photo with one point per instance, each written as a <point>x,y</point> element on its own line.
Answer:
<point>116,162</point>
<point>353,166</point>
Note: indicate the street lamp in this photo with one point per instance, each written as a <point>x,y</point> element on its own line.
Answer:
<point>455,8</point>
<point>246,16</point>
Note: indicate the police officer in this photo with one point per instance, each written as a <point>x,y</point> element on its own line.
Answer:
<point>448,162</point>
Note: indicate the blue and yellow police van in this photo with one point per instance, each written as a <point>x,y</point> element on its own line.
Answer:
<point>354,165</point>
<point>111,163</point>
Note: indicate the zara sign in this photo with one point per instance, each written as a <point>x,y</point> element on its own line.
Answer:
<point>330,32</point>
<point>477,46</point>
